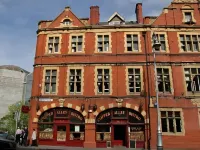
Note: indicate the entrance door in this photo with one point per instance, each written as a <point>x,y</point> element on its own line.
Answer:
<point>120,135</point>
<point>61,133</point>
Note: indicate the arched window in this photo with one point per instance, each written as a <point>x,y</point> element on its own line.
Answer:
<point>67,22</point>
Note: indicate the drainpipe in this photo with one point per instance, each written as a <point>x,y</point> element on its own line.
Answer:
<point>144,34</point>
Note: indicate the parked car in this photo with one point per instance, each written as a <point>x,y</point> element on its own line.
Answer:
<point>6,144</point>
<point>7,136</point>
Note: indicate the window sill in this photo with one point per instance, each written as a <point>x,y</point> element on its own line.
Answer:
<point>189,52</point>
<point>104,52</point>
<point>193,94</point>
<point>75,93</point>
<point>58,53</point>
<point>173,134</point>
<point>133,52</point>
<point>165,94</point>
<point>83,52</point>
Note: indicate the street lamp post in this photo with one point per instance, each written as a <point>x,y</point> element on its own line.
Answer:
<point>156,46</point>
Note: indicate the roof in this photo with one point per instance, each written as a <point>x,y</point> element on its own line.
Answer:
<point>13,67</point>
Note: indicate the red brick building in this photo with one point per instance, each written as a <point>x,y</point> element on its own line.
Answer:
<point>94,85</point>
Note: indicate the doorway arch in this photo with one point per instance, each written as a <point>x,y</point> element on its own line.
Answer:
<point>120,126</point>
<point>61,126</point>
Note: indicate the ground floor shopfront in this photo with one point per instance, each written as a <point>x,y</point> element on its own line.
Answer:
<point>112,127</point>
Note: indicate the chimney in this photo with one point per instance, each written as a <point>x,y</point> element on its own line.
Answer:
<point>138,12</point>
<point>94,15</point>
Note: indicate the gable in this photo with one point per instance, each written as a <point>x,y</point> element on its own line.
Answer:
<point>69,15</point>
<point>174,13</point>
<point>116,17</point>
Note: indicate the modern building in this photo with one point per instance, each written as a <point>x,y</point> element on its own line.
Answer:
<point>93,82</point>
<point>11,86</point>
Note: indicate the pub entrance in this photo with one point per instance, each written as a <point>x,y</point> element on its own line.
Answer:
<point>120,127</point>
<point>120,135</point>
<point>61,126</point>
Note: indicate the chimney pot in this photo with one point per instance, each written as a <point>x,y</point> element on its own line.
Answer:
<point>94,15</point>
<point>138,11</point>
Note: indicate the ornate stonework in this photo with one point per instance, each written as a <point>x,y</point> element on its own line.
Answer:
<point>61,102</point>
<point>196,102</point>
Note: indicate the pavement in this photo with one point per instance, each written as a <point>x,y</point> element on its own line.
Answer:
<point>69,148</point>
<point>43,147</point>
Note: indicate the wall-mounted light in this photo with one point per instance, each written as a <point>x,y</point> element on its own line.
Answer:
<point>92,108</point>
<point>82,107</point>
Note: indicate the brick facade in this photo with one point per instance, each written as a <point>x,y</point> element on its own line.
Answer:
<point>170,22</point>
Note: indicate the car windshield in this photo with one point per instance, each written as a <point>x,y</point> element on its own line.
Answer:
<point>3,135</point>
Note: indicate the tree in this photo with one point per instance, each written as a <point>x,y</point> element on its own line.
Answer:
<point>8,122</point>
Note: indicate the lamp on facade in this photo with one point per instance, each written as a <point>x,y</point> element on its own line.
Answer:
<point>82,107</point>
<point>156,46</point>
<point>92,108</point>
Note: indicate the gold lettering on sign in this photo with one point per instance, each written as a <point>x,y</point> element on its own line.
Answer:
<point>118,112</point>
<point>46,114</point>
<point>76,115</point>
<point>61,112</point>
<point>139,136</point>
<point>103,116</point>
<point>134,115</point>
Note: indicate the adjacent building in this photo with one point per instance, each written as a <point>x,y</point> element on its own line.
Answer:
<point>93,82</point>
<point>11,86</point>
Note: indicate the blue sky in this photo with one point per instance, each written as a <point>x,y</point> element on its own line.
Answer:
<point>19,18</point>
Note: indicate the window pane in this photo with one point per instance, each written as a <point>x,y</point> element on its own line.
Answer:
<point>100,39</point>
<point>80,39</point>
<point>194,71</point>
<point>178,125</point>
<point>79,46</point>
<point>78,87</point>
<point>53,79</point>
<point>135,38</point>
<point>171,125</point>
<point>71,85</point>
<point>99,71</point>
<point>106,38</point>
<point>164,124</point>
<point>188,37</point>
<point>130,71</point>
<point>48,72</point>
<point>182,38</point>
<point>53,87</point>
<point>47,89</point>
<point>72,72</point>
<point>160,87</point>
<point>106,71</point>
<point>106,87</point>
<point>177,114</point>
<point>170,113</point>
<point>50,39</point>
<point>128,37</point>
<point>163,113</point>
<point>135,45</point>
<point>56,39</point>
<point>137,71</point>
<point>166,71</point>
<point>159,70</point>
<point>100,87</point>
<point>188,16</point>
<point>54,72</point>
<point>162,37</point>
<point>73,38</point>
<point>163,46</point>
<point>56,47</point>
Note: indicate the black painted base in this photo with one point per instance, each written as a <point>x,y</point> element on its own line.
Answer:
<point>159,147</point>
